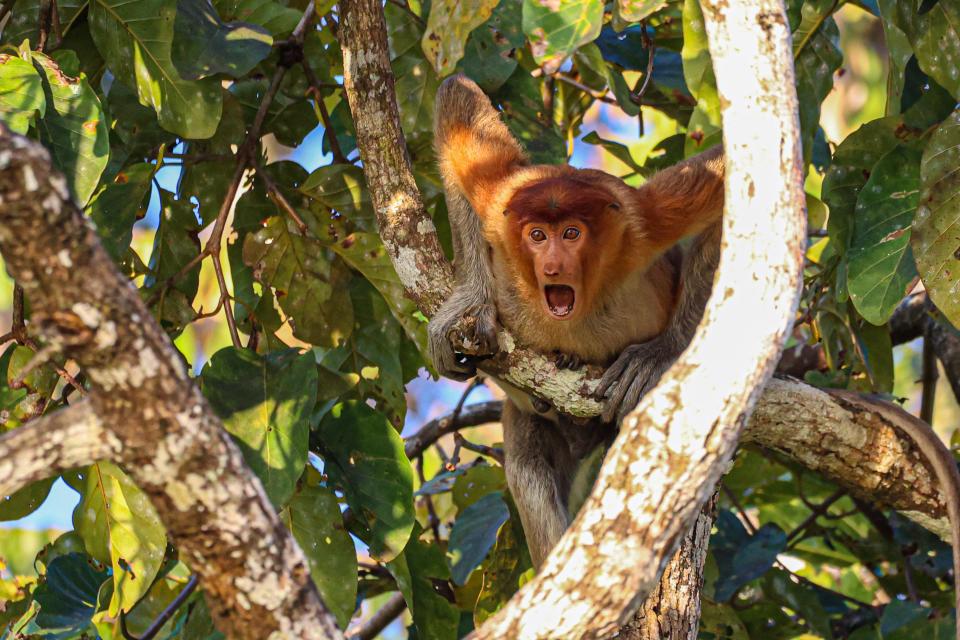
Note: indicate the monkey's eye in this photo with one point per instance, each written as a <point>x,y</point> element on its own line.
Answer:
<point>537,235</point>
<point>571,233</point>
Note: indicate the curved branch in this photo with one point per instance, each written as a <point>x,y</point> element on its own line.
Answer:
<point>254,576</point>
<point>472,415</point>
<point>52,444</point>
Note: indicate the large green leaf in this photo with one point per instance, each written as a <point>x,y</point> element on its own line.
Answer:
<point>899,53</point>
<point>26,500</point>
<point>415,571</point>
<point>934,31</point>
<point>135,38</point>
<point>364,454</point>
<point>68,595</point>
<point>174,245</point>
<point>556,29</point>
<point>204,45</point>
<point>313,515</point>
<point>489,57</point>
<point>636,10</point>
<point>265,403</point>
<point>504,570</point>
<point>119,205</point>
<point>881,266</point>
<point>448,26</point>
<point>417,85</point>
<point>310,282</point>
<point>277,18</point>
<point>522,106</point>
<point>21,93</point>
<point>73,128</point>
<point>591,63</point>
<point>936,230</point>
<point>740,556</point>
<point>703,129</point>
<point>474,534</point>
<point>120,527</point>
<point>816,57</point>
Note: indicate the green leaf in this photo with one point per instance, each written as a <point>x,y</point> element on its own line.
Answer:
<point>417,85</point>
<point>848,173</point>
<point>342,188</point>
<point>703,129</point>
<point>489,57</point>
<point>504,570</point>
<point>68,594</point>
<point>779,587</point>
<point>448,26</point>
<point>204,45</point>
<point>720,621</point>
<point>313,516</point>
<point>618,150</point>
<point>309,281</point>
<point>119,205</point>
<point>816,59</point>
<point>881,267</point>
<point>25,501</point>
<point>476,483</point>
<point>876,349</point>
<point>174,245</point>
<point>73,128</point>
<point>415,571</point>
<point>936,230</point>
<point>637,10</point>
<point>899,52</point>
<point>474,534</point>
<point>160,596</point>
<point>741,557</point>
<point>522,106</point>
<point>935,36</point>
<point>265,403</point>
<point>590,59</point>
<point>120,527</point>
<point>21,93</point>
<point>556,29</point>
<point>135,38</point>
<point>364,454</point>
<point>24,21</point>
<point>276,18</point>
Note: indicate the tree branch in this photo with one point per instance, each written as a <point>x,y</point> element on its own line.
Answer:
<point>50,445</point>
<point>254,576</point>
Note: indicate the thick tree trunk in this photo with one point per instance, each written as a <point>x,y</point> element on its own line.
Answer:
<point>169,440</point>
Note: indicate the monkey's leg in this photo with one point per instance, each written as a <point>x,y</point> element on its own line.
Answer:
<point>640,366</point>
<point>539,468</point>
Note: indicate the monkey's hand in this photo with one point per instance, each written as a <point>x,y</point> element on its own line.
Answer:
<point>462,320</point>
<point>635,372</point>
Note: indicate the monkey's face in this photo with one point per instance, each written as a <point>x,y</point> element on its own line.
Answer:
<point>556,251</point>
<point>562,232</point>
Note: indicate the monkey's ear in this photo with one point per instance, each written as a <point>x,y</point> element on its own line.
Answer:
<point>477,153</point>
<point>682,200</point>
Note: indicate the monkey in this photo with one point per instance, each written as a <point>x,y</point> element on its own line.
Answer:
<point>573,262</point>
<point>576,262</point>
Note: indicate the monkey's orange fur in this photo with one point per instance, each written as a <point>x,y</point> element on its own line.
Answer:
<point>622,258</point>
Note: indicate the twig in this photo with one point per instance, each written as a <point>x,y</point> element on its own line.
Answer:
<point>18,325</point>
<point>315,88</point>
<point>743,512</point>
<point>930,376</point>
<point>44,19</point>
<point>491,452</point>
<point>817,511</point>
<point>637,95</point>
<point>599,95</point>
<point>165,615</point>
<point>431,510</point>
<point>472,416</point>
<point>5,9</point>
<point>379,620</point>
<point>273,191</point>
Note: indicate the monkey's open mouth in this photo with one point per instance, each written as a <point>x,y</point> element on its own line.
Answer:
<point>560,299</point>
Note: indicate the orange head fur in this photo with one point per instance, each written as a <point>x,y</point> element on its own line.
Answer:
<point>567,238</point>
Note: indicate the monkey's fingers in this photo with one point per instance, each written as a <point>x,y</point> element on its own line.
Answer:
<point>612,376</point>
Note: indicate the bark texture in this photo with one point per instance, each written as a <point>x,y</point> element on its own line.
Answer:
<point>171,443</point>
<point>48,446</point>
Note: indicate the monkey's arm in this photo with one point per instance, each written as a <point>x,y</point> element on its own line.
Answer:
<point>682,201</point>
<point>476,152</point>
<point>640,366</point>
